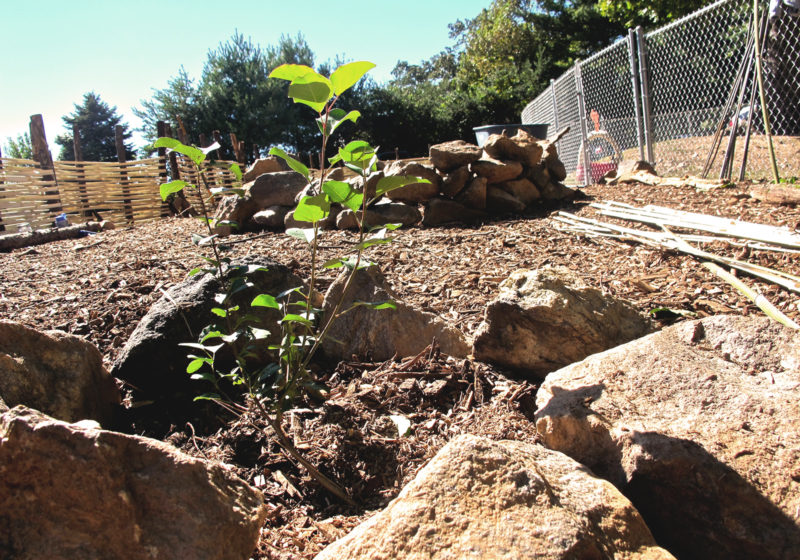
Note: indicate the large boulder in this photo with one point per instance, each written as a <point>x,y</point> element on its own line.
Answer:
<point>699,426</point>
<point>522,189</point>
<point>474,195</point>
<point>499,201</point>
<point>416,192</point>
<point>275,189</point>
<point>153,364</point>
<point>380,334</point>
<point>450,155</point>
<point>455,181</point>
<point>58,373</point>
<point>269,218</point>
<point>479,498</point>
<point>547,318</point>
<point>269,164</point>
<point>76,491</point>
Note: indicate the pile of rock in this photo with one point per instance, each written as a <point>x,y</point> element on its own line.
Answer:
<point>466,183</point>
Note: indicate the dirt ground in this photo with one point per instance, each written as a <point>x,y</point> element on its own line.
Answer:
<point>99,287</point>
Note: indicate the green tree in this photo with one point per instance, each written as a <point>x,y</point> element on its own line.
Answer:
<point>176,103</point>
<point>19,147</point>
<point>648,14</point>
<point>96,122</point>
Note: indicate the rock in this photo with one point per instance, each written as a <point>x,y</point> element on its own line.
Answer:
<point>153,363</point>
<point>381,214</point>
<point>439,211</point>
<point>554,165</point>
<point>380,334</point>
<point>270,218</point>
<point>270,164</point>
<point>522,148</point>
<point>547,318</point>
<point>275,189</point>
<point>539,175</point>
<point>232,213</point>
<point>58,373</point>
<point>496,171</point>
<point>455,181</point>
<point>626,169</point>
<point>699,425</point>
<point>479,498</point>
<point>558,191</point>
<point>522,189</point>
<point>418,192</point>
<point>499,201</point>
<point>76,491</point>
<point>474,195</point>
<point>448,156</point>
<point>372,183</point>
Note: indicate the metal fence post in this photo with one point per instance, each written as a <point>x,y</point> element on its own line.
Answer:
<point>587,167</point>
<point>637,107</point>
<point>555,104</point>
<point>645,84</point>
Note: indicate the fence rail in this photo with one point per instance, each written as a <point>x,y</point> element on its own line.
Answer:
<point>662,95</point>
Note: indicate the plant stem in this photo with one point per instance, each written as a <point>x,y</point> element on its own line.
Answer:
<point>208,225</point>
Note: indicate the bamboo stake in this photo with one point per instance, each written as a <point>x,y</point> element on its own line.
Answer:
<point>763,303</point>
<point>763,97</point>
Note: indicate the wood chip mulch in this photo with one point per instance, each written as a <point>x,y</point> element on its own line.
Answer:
<point>99,287</point>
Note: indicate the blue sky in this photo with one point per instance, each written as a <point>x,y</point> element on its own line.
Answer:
<point>55,51</point>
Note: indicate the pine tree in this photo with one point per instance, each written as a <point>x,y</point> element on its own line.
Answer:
<point>96,122</point>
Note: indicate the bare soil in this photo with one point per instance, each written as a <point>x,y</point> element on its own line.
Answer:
<point>99,287</point>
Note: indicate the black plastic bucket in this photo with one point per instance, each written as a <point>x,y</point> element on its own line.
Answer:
<point>536,130</point>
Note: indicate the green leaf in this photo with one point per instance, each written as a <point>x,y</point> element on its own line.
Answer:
<point>386,184</point>
<point>357,153</point>
<point>346,76</point>
<point>219,312</point>
<point>208,397</point>
<point>211,334</point>
<point>167,189</point>
<point>195,154</point>
<point>312,208</point>
<point>312,89</point>
<point>290,161</point>
<point>304,234</point>
<point>290,72</point>
<point>387,304</point>
<point>335,119</point>
<point>294,318</point>
<point>237,171</point>
<point>259,334</point>
<point>265,300</point>
<point>196,271</point>
<point>197,363</point>
<point>211,349</point>
<point>373,241</point>
<point>343,193</point>
<point>333,263</point>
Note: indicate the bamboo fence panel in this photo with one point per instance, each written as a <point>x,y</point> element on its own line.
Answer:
<point>217,176</point>
<point>120,192</point>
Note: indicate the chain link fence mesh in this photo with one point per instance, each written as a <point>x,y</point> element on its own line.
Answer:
<point>689,69</point>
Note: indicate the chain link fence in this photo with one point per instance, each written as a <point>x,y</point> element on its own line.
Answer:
<point>663,95</point>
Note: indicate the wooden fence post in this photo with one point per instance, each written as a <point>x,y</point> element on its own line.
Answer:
<point>218,140</point>
<point>77,150</point>
<point>122,158</point>
<point>2,225</point>
<point>238,149</point>
<point>43,157</point>
<point>161,131</point>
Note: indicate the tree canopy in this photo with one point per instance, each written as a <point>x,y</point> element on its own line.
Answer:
<point>96,122</point>
<point>19,147</point>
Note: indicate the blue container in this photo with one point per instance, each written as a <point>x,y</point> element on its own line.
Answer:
<point>61,220</point>
<point>536,130</point>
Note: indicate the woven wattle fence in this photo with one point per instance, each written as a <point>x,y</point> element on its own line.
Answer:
<point>125,193</point>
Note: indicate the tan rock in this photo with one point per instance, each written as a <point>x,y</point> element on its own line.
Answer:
<point>58,373</point>
<point>379,215</point>
<point>496,171</point>
<point>380,334</point>
<point>438,211</point>
<point>474,195</point>
<point>499,201</point>
<point>76,491</point>
<point>699,425</point>
<point>417,192</point>
<point>521,147</point>
<point>275,189</point>
<point>544,319</point>
<point>232,213</point>
<point>479,498</point>
<point>554,165</point>
<point>448,156</point>
<point>522,189</point>
<point>269,164</point>
<point>455,181</point>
